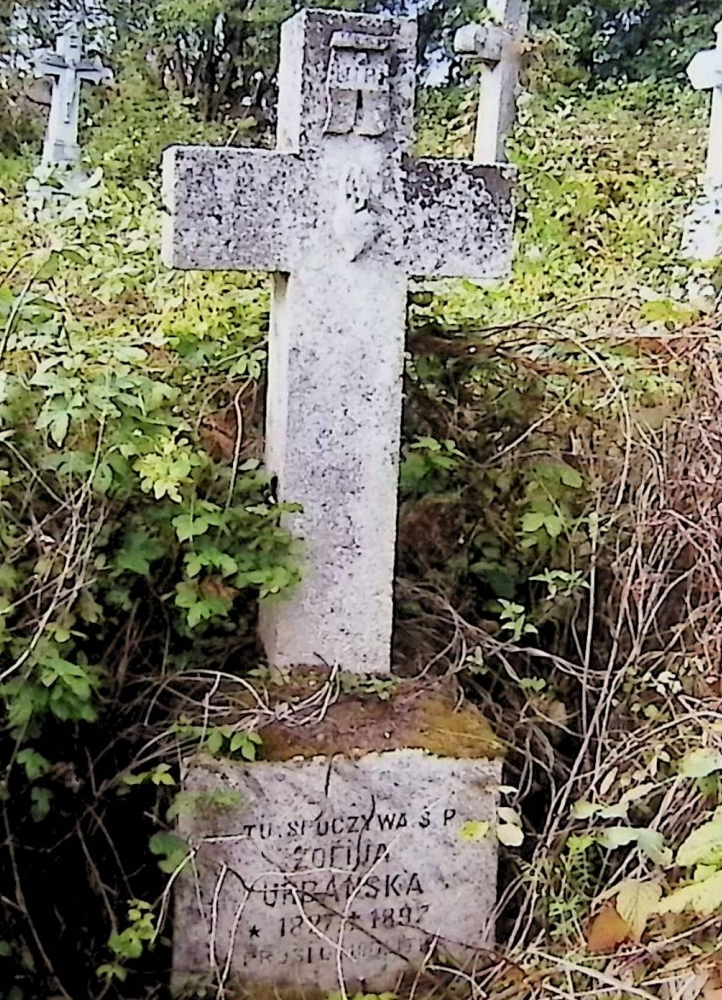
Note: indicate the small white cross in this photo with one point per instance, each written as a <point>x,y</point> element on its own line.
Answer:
<point>66,66</point>
<point>705,73</point>
<point>496,45</point>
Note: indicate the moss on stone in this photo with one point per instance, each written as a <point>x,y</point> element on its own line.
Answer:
<point>413,715</point>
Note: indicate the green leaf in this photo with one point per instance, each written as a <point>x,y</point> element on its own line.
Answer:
<point>533,521</point>
<point>651,842</point>
<point>214,741</point>
<point>58,427</point>
<point>554,525</point>
<point>110,971</point>
<point>474,829</point>
<point>36,766</point>
<point>41,799</point>
<point>699,763</point>
<point>173,850</point>
<point>187,526</point>
<point>584,810</point>
<point>618,836</point>
<point>570,477</point>
<point>138,552</point>
<point>703,897</point>
<point>703,845</point>
<point>245,743</point>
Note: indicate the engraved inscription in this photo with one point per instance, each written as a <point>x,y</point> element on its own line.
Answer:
<point>340,878</point>
<point>357,866</point>
<point>359,97</point>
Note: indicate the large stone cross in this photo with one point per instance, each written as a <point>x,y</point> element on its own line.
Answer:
<point>342,215</point>
<point>497,46</point>
<point>705,73</point>
<point>67,68</point>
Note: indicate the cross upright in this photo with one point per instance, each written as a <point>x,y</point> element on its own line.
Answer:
<point>496,46</point>
<point>705,73</point>
<point>66,66</point>
<point>342,215</point>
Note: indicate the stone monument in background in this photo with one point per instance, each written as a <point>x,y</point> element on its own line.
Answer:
<point>497,47</point>
<point>703,228</point>
<point>67,69</point>
<point>365,846</point>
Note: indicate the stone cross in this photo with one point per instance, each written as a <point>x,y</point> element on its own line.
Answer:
<point>341,214</point>
<point>335,870</point>
<point>703,226</point>
<point>705,73</point>
<point>66,66</point>
<point>496,45</point>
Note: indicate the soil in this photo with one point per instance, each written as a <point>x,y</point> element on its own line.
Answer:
<point>366,718</point>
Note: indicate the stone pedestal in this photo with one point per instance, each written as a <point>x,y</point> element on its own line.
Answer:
<point>328,874</point>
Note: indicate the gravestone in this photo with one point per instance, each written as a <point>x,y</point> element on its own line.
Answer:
<point>67,69</point>
<point>332,875</point>
<point>302,884</point>
<point>703,227</point>
<point>497,47</point>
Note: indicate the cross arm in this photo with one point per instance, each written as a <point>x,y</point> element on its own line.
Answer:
<point>230,209</point>
<point>460,219</point>
<point>46,62</point>
<point>705,70</point>
<point>94,71</point>
<point>485,41</point>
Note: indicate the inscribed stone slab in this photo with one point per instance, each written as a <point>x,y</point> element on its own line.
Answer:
<point>335,871</point>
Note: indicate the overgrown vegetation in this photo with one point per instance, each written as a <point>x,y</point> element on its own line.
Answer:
<point>559,546</point>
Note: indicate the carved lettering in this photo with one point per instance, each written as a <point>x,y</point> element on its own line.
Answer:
<point>334,876</point>
<point>359,97</point>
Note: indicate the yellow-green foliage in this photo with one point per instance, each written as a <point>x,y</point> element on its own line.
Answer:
<point>138,529</point>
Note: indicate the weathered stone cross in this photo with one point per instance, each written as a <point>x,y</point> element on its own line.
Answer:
<point>342,215</point>
<point>703,226</point>
<point>68,69</point>
<point>496,45</point>
<point>705,73</point>
<point>333,871</point>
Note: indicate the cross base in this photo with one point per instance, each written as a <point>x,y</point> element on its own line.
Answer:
<point>61,154</point>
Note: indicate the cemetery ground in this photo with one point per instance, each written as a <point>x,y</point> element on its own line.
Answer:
<point>559,552</point>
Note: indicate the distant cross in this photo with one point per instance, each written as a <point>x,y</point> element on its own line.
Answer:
<point>705,72</point>
<point>497,46</point>
<point>342,215</point>
<point>65,64</point>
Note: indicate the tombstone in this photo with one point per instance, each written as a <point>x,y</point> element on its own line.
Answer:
<point>338,870</point>
<point>497,47</point>
<point>703,227</point>
<point>67,69</point>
